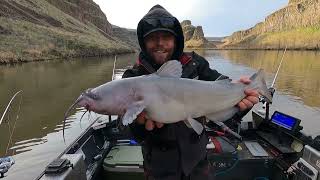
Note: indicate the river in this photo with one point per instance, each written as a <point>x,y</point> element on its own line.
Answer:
<point>49,87</point>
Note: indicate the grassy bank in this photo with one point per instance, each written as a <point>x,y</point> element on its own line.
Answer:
<point>48,33</point>
<point>307,38</point>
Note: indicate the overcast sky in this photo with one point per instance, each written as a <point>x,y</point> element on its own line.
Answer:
<point>217,17</point>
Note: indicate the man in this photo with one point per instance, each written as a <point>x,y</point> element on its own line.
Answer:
<point>172,151</point>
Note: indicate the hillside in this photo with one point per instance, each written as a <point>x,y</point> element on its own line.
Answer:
<point>33,30</point>
<point>296,26</point>
<point>128,36</point>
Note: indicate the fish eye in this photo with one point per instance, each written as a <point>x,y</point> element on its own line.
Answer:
<point>92,95</point>
<point>95,96</point>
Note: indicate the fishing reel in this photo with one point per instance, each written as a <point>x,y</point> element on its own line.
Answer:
<point>265,107</point>
<point>263,99</point>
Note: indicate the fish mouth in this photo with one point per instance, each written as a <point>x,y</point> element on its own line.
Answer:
<point>84,100</point>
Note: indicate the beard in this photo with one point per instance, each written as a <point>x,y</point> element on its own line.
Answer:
<point>160,55</point>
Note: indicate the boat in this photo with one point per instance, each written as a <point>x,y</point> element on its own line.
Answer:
<point>269,148</point>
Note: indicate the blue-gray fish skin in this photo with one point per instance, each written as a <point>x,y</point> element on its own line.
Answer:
<point>167,98</point>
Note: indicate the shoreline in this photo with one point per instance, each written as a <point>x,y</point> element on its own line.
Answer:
<point>258,49</point>
<point>21,61</point>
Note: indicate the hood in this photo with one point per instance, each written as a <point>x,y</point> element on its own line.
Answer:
<point>164,21</point>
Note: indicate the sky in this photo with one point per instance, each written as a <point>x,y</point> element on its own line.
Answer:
<point>217,17</point>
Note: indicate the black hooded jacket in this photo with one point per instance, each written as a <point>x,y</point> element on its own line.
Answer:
<point>174,146</point>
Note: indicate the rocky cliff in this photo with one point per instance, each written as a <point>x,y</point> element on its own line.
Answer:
<point>296,26</point>
<point>85,11</point>
<point>47,29</point>
<point>194,36</point>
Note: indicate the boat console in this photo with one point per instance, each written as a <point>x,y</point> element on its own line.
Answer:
<point>275,148</point>
<point>280,131</point>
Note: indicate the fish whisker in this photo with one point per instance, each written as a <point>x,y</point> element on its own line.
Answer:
<point>82,117</point>
<point>89,116</point>
<point>66,115</point>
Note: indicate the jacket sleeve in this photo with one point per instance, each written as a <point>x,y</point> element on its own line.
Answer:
<point>137,130</point>
<point>135,71</point>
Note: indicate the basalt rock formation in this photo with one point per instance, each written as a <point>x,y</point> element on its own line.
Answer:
<point>194,36</point>
<point>33,30</point>
<point>296,26</point>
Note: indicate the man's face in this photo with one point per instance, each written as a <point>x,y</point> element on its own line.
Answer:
<point>160,45</point>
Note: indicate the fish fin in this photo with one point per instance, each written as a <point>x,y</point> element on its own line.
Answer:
<point>195,125</point>
<point>222,115</point>
<point>258,82</point>
<point>171,68</point>
<point>132,112</point>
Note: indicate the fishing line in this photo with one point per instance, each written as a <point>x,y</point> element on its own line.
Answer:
<point>14,126</point>
<point>275,77</point>
<point>8,106</point>
<point>66,115</point>
<point>93,137</point>
<point>265,106</point>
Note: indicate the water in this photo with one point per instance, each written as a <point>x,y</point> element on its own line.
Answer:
<point>50,87</point>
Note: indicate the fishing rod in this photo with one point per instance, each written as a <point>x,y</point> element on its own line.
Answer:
<point>265,107</point>
<point>113,75</point>
<point>265,104</point>
<point>8,106</point>
<point>7,162</point>
<point>14,126</point>
<point>114,67</point>
<point>275,77</point>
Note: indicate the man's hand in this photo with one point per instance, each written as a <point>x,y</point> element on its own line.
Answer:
<point>251,98</point>
<point>149,124</point>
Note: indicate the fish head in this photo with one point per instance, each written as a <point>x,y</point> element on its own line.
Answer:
<point>90,100</point>
<point>111,98</point>
<point>97,100</point>
<point>108,99</point>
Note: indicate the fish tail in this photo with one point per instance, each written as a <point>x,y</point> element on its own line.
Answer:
<point>258,82</point>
